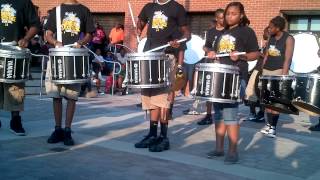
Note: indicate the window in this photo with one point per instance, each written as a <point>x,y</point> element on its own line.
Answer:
<point>299,23</point>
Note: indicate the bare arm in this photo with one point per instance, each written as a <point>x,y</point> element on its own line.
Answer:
<point>140,26</point>
<point>186,32</point>
<point>87,38</point>
<point>288,55</point>
<point>29,35</point>
<point>51,40</point>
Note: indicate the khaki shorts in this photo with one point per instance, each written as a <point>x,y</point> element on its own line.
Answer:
<point>158,97</point>
<point>70,91</point>
<point>154,98</point>
<point>272,73</point>
<point>12,96</point>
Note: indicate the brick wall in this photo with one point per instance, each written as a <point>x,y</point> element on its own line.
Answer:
<point>258,11</point>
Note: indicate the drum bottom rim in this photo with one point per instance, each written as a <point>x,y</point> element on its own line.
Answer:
<point>218,100</point>
<point>70,81</point>
<point>280,108</point>
<point>315,111</point>
<point>12,81</point>
<point>147,86</point>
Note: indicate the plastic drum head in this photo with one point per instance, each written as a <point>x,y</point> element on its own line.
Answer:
<point>305,56</point>
<point>194,52</point>
<point>13,52</point>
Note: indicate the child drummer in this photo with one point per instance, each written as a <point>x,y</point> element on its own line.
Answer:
<point>75,19</point>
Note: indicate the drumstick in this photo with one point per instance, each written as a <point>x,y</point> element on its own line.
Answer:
<point>228,54</point>
<point>133,21</point>
<point>164,46</point>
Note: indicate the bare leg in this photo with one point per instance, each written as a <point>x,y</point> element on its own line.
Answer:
<point>57,110</point>
<point>71,106</point>
<point>221,129</point>
<point>233,135</point>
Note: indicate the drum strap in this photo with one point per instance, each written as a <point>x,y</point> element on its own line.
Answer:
<point>58,22</point>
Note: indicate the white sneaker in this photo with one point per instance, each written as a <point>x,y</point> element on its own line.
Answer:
<point>265,129</point>
<point>272,132</point>
<point>269,131</point>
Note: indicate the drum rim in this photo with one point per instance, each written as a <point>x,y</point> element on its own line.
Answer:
<point>217,65</point>
<point>68,51</point>
<point>10,81</point>
<point>143,54</point>
<point>278,77</point>
<point>145,86</point>
<point>219,100</point>
<point>77,81</point>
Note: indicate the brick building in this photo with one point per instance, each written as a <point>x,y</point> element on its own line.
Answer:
<point>302,15</point>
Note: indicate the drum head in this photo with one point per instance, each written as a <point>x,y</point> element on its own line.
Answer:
<point>194,52</point>
<point>307,108</point>
<point>13,51</point>
<point>305,56</point>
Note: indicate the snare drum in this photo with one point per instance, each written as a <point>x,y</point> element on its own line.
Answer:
<point>147,70</point>
<point>14,64</point>
<point>69,65</point>
<point>276,93</point>
<point>217,83</point>
<point>307,94</point>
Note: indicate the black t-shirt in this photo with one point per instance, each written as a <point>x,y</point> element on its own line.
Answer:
<point>75,19</point>
<point>15,16</point>
<point>163,22</point>
<point>213,36</point>
<point>276,50</point>
<point>241,39</point>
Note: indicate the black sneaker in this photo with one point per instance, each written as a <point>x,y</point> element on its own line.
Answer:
<point>162,144</point>
<point>146,142</point>
<point>16,126</point>
<point>56,136</point>
<point>0,124</point>
<point>315,128</point>
<point>67,140</point>
<point>205,121</point>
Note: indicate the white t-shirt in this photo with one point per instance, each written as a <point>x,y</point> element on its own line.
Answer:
<point>121,59</point>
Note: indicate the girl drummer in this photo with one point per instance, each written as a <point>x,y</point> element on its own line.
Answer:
<point>237,37</point>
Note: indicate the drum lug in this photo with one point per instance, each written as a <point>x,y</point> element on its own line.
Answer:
<point>294,84</point>
<point>260,85</point>
<point>269,86</point>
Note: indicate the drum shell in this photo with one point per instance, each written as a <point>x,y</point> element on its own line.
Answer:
<point>69,65</point>
<point>148,70</point>
<point>14,64</point>
<point>307,92</point>
<point>276,92</point>
<point>217,82</point>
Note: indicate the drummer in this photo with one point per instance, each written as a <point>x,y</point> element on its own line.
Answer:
<point>12,28</point>
<point>237,37</point>
<point>75,19</point>
<point>277,61</point>
<point>165,18</point>
<point>212,37</point>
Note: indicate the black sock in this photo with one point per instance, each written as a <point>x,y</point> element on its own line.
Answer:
<point>164,129</point>
<point>153,128</point>
<point>57,127</point>
<point>252,109</point>
<point>272,119</point>
<point>15,114</point>
<point>171,108</point>
<point>275,120</point>
<point>269,118</point>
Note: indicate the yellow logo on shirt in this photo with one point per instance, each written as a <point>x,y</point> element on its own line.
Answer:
<point>227,44</point>
<point>8,14</point>
<point>159,21</point>
<point>273,51</point>
<point>70,24</point>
